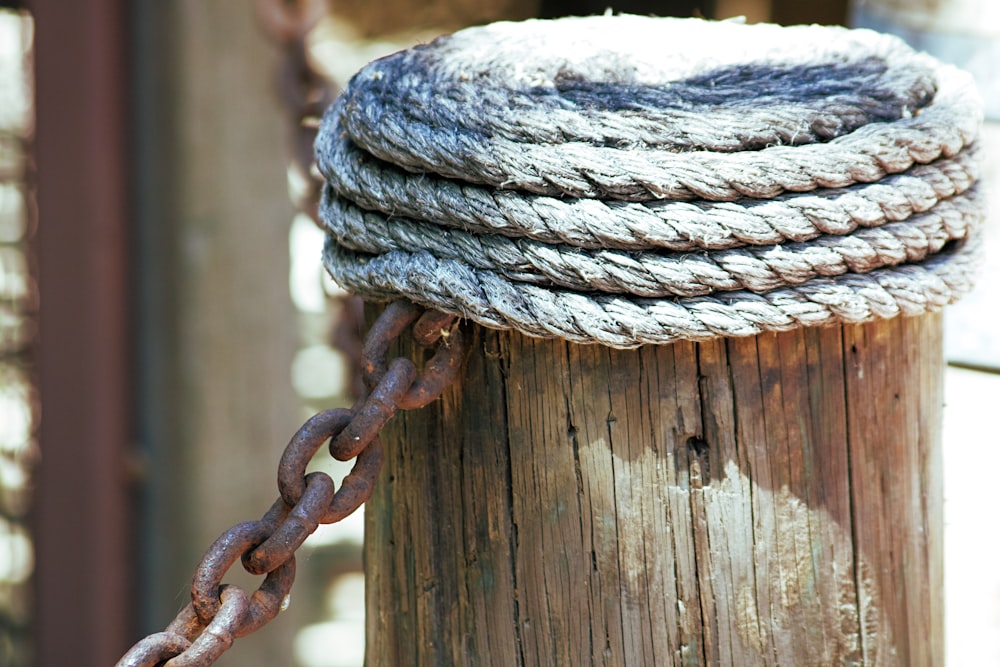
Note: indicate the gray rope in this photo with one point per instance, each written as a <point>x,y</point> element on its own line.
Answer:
<point>583,170</point>
<point>867,78</point>
<point>575,178</point>
<point>594,223</point>
<point>435,135</point>
<point>485,297</point>
<point>757,268</point>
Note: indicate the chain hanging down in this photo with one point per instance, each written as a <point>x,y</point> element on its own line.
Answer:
<point>220,613</point>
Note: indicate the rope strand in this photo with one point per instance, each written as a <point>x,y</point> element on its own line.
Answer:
<point>651,274</point>
<point>594,223</point>
<point>576,178</point>
<point>490,299</point>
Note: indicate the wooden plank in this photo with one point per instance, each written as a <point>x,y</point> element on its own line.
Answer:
<point>896,488</point>
<point>759,501</point>
<point>82,514</point>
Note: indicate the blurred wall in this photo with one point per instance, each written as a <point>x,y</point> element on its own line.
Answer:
<point>216,331</point>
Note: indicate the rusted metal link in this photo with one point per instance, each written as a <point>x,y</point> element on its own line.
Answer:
<point>305,95</point>
<point>270,598</point>
<point>300,523</point>
<point>304,92</point>
<point>154,649</point>
<point>225,551</point>
<point>432,326</point>
<point>374,411</point>
<point>186,624</point>
<point>276,513</point>
<point>348,337</point>
<point>303,446</point>
<point>266,601</point>
<point>439,372</point>
<point>219,613</point>
<point>289,20</point>
<point>390,324</point>
<point>220,634</point>
<point>357,486</point>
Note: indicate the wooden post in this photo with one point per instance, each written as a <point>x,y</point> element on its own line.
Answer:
<point>760,501</point>
<point>81,612</point>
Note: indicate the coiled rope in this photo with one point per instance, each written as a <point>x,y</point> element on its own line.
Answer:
<point>630,180</point>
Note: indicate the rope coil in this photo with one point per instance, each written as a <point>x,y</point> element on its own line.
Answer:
<point>611,189</point>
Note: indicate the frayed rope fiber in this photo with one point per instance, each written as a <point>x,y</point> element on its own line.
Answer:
<point>627,180</point>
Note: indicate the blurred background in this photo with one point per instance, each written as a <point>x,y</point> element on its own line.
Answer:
<point>165,324</point>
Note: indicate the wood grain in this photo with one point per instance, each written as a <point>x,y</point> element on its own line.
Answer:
<point>758,501</point>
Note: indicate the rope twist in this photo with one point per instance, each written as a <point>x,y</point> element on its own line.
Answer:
<point>610,179</point>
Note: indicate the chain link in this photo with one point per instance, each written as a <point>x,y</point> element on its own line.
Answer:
<point>219,613</point>
<point>304,92</point>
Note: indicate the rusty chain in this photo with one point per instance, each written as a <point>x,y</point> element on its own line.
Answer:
<point>219,613</point>
<point>303,91</point>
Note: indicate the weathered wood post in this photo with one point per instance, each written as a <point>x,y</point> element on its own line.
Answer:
<point>765,500</point>
<point>707,431</point>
